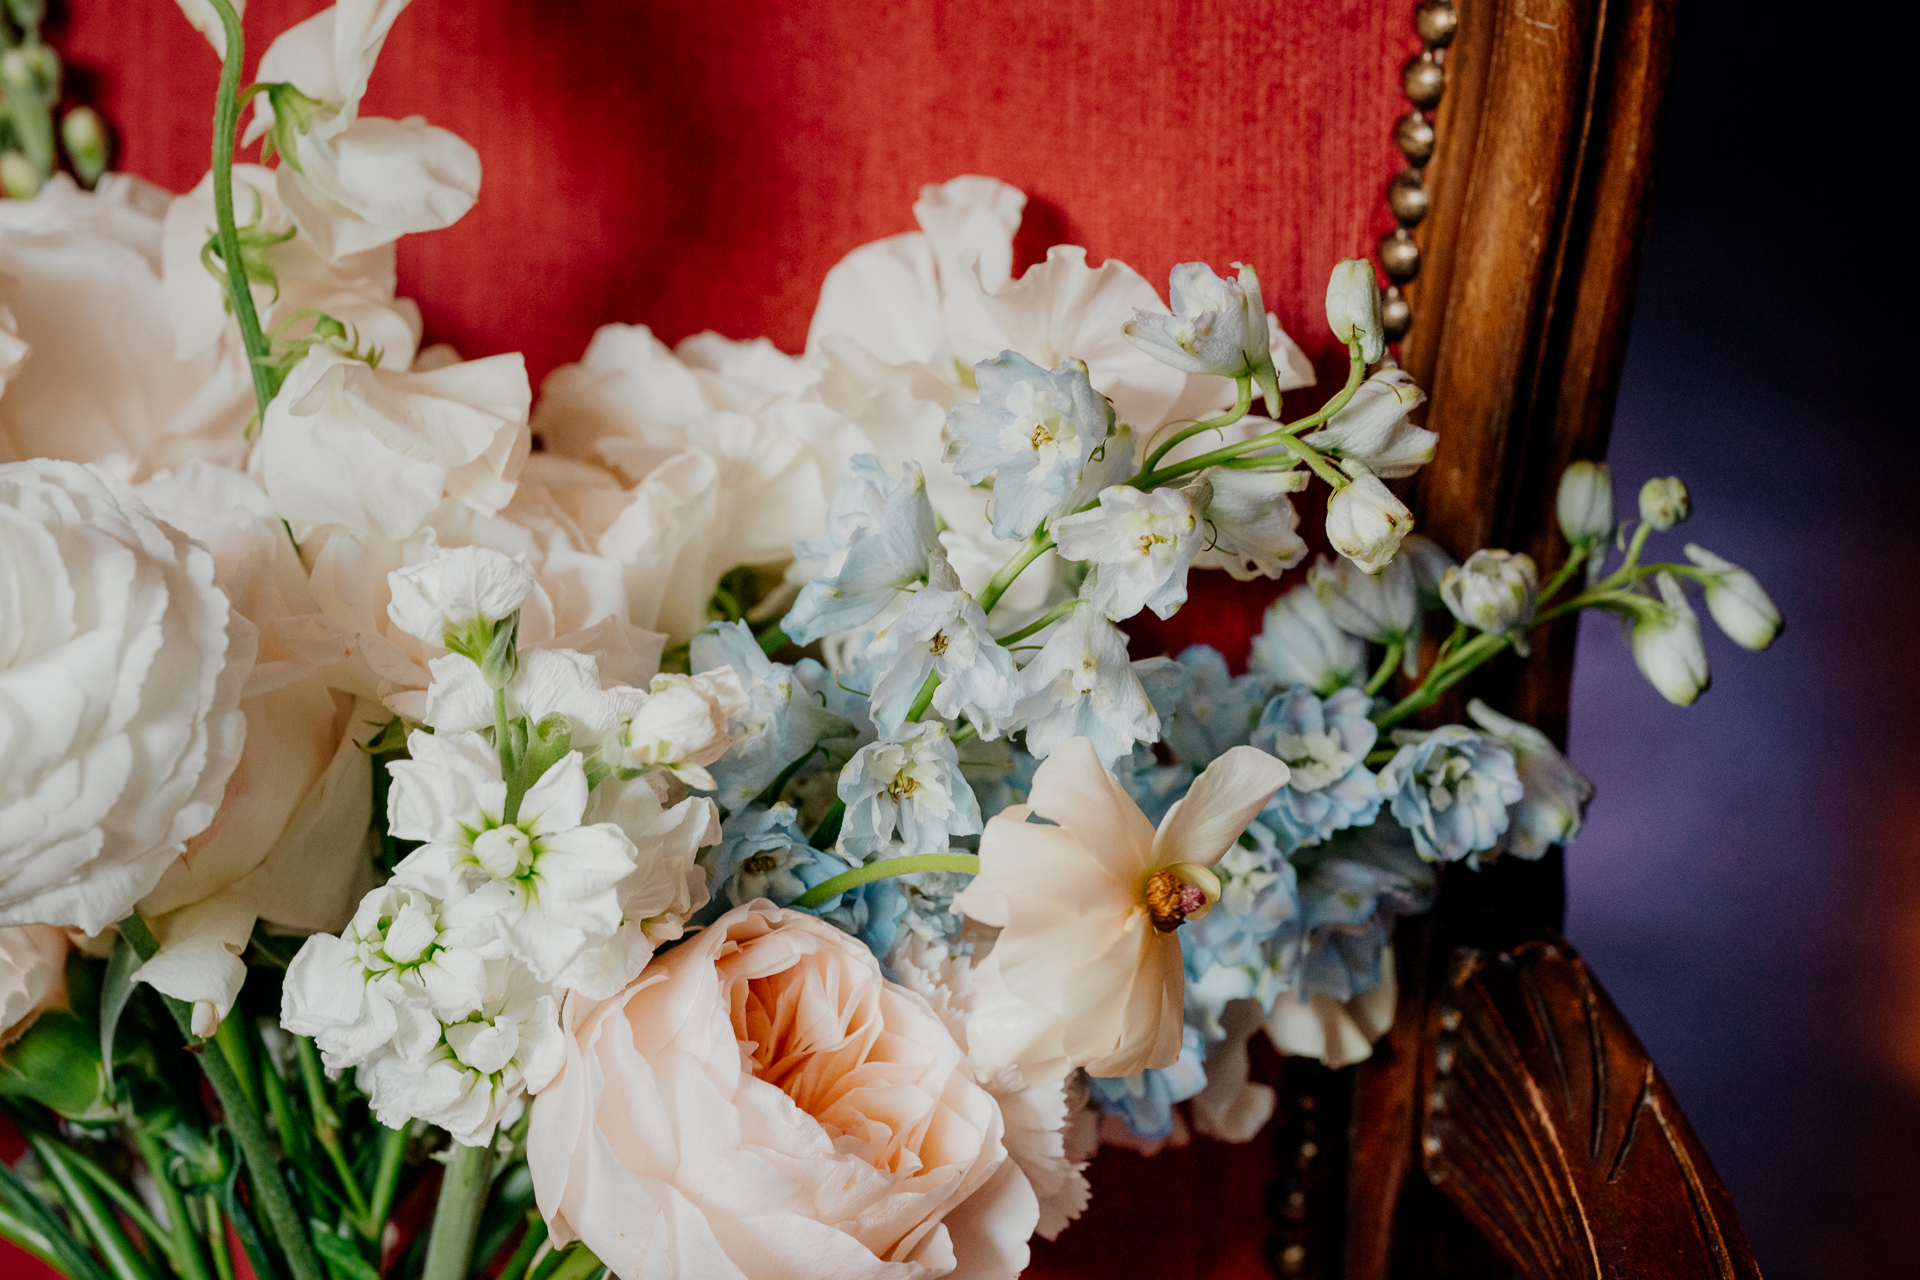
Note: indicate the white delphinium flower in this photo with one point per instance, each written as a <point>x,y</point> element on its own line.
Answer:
<point>1430,562</point>
<point>1143,543</point>
<point>1374,430</point>
<point>1737,601</point>
<point>453,599</point>
<point>1365,522</point>
<point>353,182</point>
<point>1033,431</point>
<point>909,782</point>
<point>1495,591</point>
<point>551,879</point>
<point>479,1066</point>
<point>681,726</point>
<point>1666,644</point>
<point>1383,607</point>
<point>1217,326</point>
<point>1555,794</point>
<point>1249,526</point>
<point>1353,307</point>
<point>1081,684</point>
<point>1300,643</point>
<point>942,632</point>
<point>883,556</point>
<point>1584,504</point>
<point>206,20</point>
<point>1664,502</point>
<point>406,962</point>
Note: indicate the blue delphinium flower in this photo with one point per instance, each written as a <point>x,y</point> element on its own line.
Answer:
<point>943,632</point>
<point>1351,890</point>
<point>881,559</point>
<point>785,721</point>
<point>1034,432</point>
<point>762,854</point>
<point>1213,711</point>
<point>1324,743</point>
<point>910,785</point>
<point>871,912</point>
<point>1240,949</point>
<point>1082,685</point>
<point>1556,793</point>
<point>1155,787</point>
<point>1451,787</point>
<point>1144,1102</point>
<point>1299,643</point>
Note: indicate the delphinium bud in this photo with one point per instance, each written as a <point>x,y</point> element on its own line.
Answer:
<point>1664,502</point>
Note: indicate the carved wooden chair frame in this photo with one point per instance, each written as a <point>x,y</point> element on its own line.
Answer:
<point>1510,1120</point>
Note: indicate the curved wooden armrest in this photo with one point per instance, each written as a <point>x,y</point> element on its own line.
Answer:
<point>1526,1098</point>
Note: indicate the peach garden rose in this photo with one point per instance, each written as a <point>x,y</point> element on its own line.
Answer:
<point>763,1102</point>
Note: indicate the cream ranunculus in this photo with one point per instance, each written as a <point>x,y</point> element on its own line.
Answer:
<point>121,667</point>
<point>1087,970</point>
<point>763,1102</point>
<point>84,325</point>
<point>291,842</point>
<point>33,976</point>
<point>378,450</point>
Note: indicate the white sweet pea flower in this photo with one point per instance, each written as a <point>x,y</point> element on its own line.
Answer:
<point>1666,644</point>
<point>456,597</point>
<point>356,183</point>
<point>1081,684</point>
<point>681,726</point>
<point>1143,543</point>
<point>1737,601</point>
<point>1495,591</point>
<point>1664,502</point>
<point>1555,793</point>
<point>1217,326</point>
<point>551,880</point>
<point>1584,503</point>
<point>1353,307</point>
<point>943,632</point>
<point>403,964</point>
<point>1365,522</point>
<point>378,450</point>
<point>1250,526</point>
<point>1300,643</point>
<point>1087,968</point>
<point>1374,429</point>
<point>479,1066</point>
<point>908,783</point>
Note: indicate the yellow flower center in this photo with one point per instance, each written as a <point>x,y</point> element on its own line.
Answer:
<point>938,645</point>
<point>760,863</point>
<point>1171,900</point>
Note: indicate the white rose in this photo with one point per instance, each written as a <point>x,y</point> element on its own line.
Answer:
<point>33,976</point>
<point>84,327</point>
<point>122,675</point>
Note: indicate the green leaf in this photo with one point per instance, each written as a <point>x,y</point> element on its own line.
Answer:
<point>74,1258</point>
<point>115,991</point>
<point>250,1238</point>
<point>58,1064</point>
<point>342,1258</point>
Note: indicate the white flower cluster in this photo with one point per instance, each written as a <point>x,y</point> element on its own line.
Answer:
<point>554,852</point>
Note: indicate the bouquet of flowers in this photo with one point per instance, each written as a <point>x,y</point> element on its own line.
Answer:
<point>733,838</point>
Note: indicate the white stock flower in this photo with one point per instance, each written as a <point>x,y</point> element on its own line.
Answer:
<point>1300,643</point>
<point>550,879</point>
<point>1143,543</point>
<point>1250,524</point>
<point>1374,430</point>
<point>1584,503</point>
<point>1087,970</point>
<point>1664,502</point>
<point>1495,591</point>
<point>1666,644</point>
<point>1555,794</point>
<point>378,450</point>
<point>1082,684</point>
<point>354,183</point>
<point>1737,601</point>
<point>449,593</point>
<point>86,357</point>
<point>1365,522</point>
<point>122,665</point>
<point>682,725</point>
<point>1353,307</point>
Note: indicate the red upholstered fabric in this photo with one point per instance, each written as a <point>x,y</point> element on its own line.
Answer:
<point>702,165</point>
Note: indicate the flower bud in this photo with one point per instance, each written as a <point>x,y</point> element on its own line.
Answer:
<point>1494,590</point>
<point>85,138</point>
<point>1666,645</point>
<point>1586,503</point>
<point>1737,601</point>
<point>454,598</point>
<point>1353,307</point>
<point>1365,522</point>
<point>1664,503</point>
<point>18,178</point>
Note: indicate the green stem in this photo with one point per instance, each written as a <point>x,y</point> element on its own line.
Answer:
<point>1356,374</point>
<point>530,1242</point>
<point>885,868</point>
<point>1041,623</point>
<point>122,1259</point>
<point>456,1218</point>
<point>1387,664</point>
<point>230,1036</point>
<point>217,1239</point>
<point>1444,676</point>
<point>24,1237</point>
<point>127,1202</point>
<point>1335,478</point>
<point>186,1256</point>
<point>1560,578</point>
<point>386,1179</point>
<point>924,698</point>
<point>326,1127</point>
<point>243,1118</point>
<point>226,119</point>
<point>1034,548</point>
<point>1243,401</point>
<point>578,1264</point>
